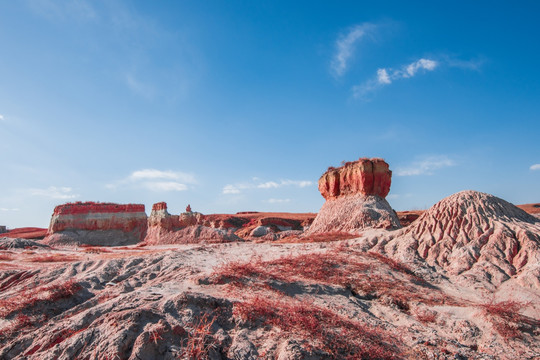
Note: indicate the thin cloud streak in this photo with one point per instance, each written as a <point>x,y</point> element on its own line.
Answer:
<point>345,46</point>
<point>386,76</point>
<point>426,166</point>
<point>535,167</point>
<point>239,187</point>
<point>156,180</point>
<point>53,192</point>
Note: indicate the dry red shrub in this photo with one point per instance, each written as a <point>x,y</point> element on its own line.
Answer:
<point>199,340</point>
<point>338,336</point>
<point>507,320</point>
<point>30,298</point>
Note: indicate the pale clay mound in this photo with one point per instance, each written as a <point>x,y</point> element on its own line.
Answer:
<point>475,236</point>
<point>354,213</point>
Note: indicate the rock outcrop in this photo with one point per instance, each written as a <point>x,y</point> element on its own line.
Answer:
<point>188,227</point>
<point>365,176</point>
<point>354,196</point>
<point>97,224</point>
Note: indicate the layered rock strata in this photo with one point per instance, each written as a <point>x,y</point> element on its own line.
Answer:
<point>97,224</point>
<point>354,196</point>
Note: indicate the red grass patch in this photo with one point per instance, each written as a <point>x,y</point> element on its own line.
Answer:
<point>507,320</point>
<point>340,337</point>
<point>199,341</point>
<point>33,297</point>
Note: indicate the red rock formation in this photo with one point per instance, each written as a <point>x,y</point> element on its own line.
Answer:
<point>25,233</point>
<point>365,176</point>
<point>188,208</point>
<point>97,224</point>
<point>354,196</point>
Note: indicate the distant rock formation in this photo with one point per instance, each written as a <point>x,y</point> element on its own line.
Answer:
<point>354,196</point>
<point>188,227</point>
<point>26,233</point>
<point>97,224</point>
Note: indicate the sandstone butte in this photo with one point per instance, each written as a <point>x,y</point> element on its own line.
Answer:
<point>355,198</point>
<point>97,223</point>
<point>365,176</point>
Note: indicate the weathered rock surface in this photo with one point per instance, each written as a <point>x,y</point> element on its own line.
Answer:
<point>354,196</point>
<point>97,224</point>
<point>476,236</point>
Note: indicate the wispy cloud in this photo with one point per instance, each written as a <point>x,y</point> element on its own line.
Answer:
<point>156,180</point>
<point>346,44</point>
<point>257,184</point>
<point>10,209</point>
<point>386,76</point>
<point>53,192</point>
<point>535,167</point>
<point>277,201</point>
<point>426,166</point>
<point>1,117</point>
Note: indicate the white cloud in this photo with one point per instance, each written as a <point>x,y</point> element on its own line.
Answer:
<point>256,184</point>
<point>382,76</point>
<point>268,185</point>
<point>345,46</point>
<point>425,64</point>
<point>231,189</point>
<point>156,180</point>
<point>9,209</point>
<point>535,167</point>
<point>165,186</point>
<point>1,117</point>
<point>278,201</point>
<point>54,192</point>
<point>386,76</point>
<point>426,166</point>
<point>159,174</point>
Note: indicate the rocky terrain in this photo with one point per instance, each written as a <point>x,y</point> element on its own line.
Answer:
<point>461,281</point>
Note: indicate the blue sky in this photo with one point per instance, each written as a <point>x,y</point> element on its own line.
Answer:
<point>242,105</point>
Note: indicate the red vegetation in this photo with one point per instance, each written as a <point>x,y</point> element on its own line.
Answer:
<point>344,269</point>
<point>199,339</point>
<point>30,298</point>
<point>96,207</point>
<point>340,337</point>
<point>507,320</point>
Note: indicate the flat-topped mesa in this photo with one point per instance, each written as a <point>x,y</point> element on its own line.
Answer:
<point>355,198</point>
<point>364,176</point>
<point>97,224</point>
